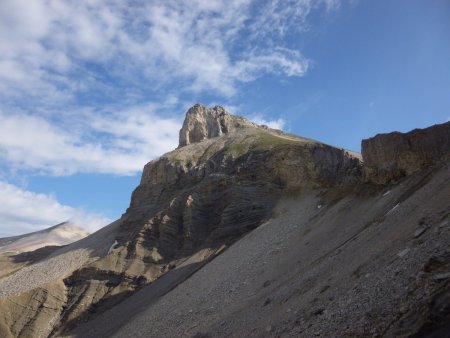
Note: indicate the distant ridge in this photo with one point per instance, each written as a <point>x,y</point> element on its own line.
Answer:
<point>60,234</point>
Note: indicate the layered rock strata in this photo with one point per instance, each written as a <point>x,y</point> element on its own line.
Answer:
<point>395,155</point>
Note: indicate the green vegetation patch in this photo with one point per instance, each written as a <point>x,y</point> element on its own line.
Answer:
<point>261,140</point>
<point>267,141</point>
<point>201,153</point>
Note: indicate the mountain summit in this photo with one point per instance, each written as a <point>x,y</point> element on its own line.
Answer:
<point>244,230</point>
<point>202,123</point>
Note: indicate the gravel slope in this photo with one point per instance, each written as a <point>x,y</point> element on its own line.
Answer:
<point>352,267</point>
<point>61,263</point>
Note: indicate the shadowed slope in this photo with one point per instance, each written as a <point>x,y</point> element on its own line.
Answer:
<point>329,262</point>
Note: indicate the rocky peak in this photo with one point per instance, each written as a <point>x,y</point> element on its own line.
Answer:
<point>202,123</point>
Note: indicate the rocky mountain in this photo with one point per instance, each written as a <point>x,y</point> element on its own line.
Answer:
<point>245,230</point>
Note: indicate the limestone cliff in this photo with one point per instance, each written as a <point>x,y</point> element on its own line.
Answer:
<point>395,155</point>
<point>202,123</point>
<point>207,194</point>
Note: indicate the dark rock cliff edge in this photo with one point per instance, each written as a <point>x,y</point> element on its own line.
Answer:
<point>391,156</point>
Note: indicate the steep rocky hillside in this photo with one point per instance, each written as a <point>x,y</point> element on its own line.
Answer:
<point>185,260</point>
<point>358,264</point>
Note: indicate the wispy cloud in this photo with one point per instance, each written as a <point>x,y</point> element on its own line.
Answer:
<point>275,124</point>
<point>52,55</point>
<point>23,211</point>
<point>117,142</point>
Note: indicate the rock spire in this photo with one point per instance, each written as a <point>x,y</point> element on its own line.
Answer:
<point>202,123</point>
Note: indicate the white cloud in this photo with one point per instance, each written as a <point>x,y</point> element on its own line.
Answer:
<point>275,124</point>
<point>279,16</point>
<point>23,211</point>
<point>332,5</point>
<point>118,142</point>
<point>278,61</point>
<point>48,52</point>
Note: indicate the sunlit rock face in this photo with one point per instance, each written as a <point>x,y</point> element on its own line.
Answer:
<point>202,123</point>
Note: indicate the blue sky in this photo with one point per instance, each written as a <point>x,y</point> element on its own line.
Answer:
<point>90,91</point>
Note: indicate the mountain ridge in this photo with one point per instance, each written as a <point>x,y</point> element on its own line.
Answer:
<point>57,235</point>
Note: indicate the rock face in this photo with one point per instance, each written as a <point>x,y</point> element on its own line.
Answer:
<point>188,204</point>
<point>212,192</point>
<point>202,123</point>
<point>394,155</point>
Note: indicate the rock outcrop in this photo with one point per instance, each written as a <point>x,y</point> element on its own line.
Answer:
<point>202,123</point>
<point>391,156</point>
<point>209,193</point>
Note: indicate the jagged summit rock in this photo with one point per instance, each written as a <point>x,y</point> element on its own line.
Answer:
<point>202,123</point>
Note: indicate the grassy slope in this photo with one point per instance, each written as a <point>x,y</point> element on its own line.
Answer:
<point>235,144</point>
